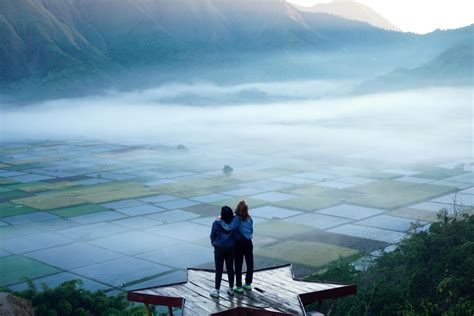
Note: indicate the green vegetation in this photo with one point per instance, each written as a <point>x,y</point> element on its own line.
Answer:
<point>437,173</point>
<point>308,190</point>
<point>310,203</point>
<point>254,175</point>
<point>379,175</point>
<point>12,194</point>
<point>193,193</point>
<point>34,187</point>
<point>204,209</point>
<point>195,187</point>
<point>19,267</point>
<point>70,298</point>
<point>388,194</point>
<point>227,170</point>
<point>95,194</point>
<point>4,181</point>
<point>79,210</point>
<point>10,209</point>
<point>27,166</point>
<point>309,253</point>
<point>280,229</point>
<point>409,213</point>
<point>431,273</point>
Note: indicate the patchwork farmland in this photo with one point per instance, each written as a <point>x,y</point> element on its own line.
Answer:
<point>122,217</point>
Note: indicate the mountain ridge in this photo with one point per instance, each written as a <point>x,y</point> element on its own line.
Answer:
<point>53,45</point>
<point>352,10</point>
<point>454,66</point>
<point>87,33</point>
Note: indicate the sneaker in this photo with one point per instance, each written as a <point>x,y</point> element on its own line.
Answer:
<point>215,294</point>
<point>238,290</point>
<point>230,292</point>
<point>247,287</point>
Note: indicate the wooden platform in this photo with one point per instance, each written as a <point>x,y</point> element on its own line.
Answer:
<point>275,292</point>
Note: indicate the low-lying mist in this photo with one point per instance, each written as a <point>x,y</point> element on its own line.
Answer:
<point>284,120</point>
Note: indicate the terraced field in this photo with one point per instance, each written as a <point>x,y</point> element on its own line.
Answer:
<point>121,217</point>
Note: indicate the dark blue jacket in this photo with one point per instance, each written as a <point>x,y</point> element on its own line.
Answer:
<point>220,237</point>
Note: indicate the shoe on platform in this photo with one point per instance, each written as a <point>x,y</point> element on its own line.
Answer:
<point>238,290</point>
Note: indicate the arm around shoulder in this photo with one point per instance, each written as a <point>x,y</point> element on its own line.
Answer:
<point>233,225</point>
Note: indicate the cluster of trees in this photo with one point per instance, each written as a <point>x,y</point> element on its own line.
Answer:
<point>70,298</point>
<point>431,273</point>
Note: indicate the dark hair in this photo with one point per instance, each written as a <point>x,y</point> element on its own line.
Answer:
<point>242,210</point>
<point>227,214</point>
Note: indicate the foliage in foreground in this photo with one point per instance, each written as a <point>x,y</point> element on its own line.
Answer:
<point>431,273</point>
<point>70,298</point>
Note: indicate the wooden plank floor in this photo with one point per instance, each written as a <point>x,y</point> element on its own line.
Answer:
<point>274,290</point>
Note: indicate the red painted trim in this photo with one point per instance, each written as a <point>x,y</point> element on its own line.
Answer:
<point>155,299</point>
<point>308,298</point>
<point>247,311</point>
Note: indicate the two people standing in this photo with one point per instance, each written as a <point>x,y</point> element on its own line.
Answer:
<point>231,237</point>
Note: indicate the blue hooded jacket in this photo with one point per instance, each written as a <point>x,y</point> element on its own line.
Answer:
<point>221,237</point>
<point>244,228</point>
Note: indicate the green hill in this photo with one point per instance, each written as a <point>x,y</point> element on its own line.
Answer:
<point>431,273</point>
<point>452,67</point>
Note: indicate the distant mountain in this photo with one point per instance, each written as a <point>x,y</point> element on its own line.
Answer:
<point>353,10</point>
<point>49,40</point>
<point>454,66</point>
<point>53,45</point>
<point>36,41</point>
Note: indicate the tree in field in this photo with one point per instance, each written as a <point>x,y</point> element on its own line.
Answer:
<point>227,170</point>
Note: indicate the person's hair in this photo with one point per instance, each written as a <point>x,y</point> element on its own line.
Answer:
<point>242,210</point>
<point>226,214</point>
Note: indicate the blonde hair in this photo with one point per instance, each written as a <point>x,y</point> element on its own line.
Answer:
<point>242,210</point>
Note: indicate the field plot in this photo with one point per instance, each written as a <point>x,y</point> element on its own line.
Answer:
<point>415,215</point>
<point>10,209</point>
<point>280,229</point>
<point>120,217</point>
<point>437,173</point>
<point>317,220</point>
<point>388,194</point>
<point>78,210</point>
<point>313,254</point>
<point>19,267</point>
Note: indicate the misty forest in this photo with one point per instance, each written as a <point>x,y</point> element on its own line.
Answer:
<point>126,125</point>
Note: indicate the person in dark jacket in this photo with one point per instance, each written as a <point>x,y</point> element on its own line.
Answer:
<point>242,225</point>
<point>224,244</point>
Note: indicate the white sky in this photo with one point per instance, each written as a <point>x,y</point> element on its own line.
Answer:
<point>418,16</point>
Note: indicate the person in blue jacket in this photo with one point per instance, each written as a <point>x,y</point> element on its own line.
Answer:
<point>242,225</point>
<point>224,247</point>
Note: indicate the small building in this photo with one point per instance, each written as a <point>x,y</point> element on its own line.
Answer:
<point>275,292</point>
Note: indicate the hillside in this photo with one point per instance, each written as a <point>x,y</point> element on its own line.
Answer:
<point>430,273</point>
<point>452,67</point>
<point>56,46</point>
<point>352,10</point>
<point>46,37</point>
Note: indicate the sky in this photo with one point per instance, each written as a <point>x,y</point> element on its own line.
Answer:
<point>418,16</point>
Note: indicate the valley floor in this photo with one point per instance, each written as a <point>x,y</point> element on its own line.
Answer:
<point>121,217</point>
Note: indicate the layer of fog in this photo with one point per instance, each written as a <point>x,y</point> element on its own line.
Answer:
<point>405,127</point>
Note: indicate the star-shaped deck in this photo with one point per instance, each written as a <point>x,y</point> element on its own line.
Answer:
<point>275,292</point>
